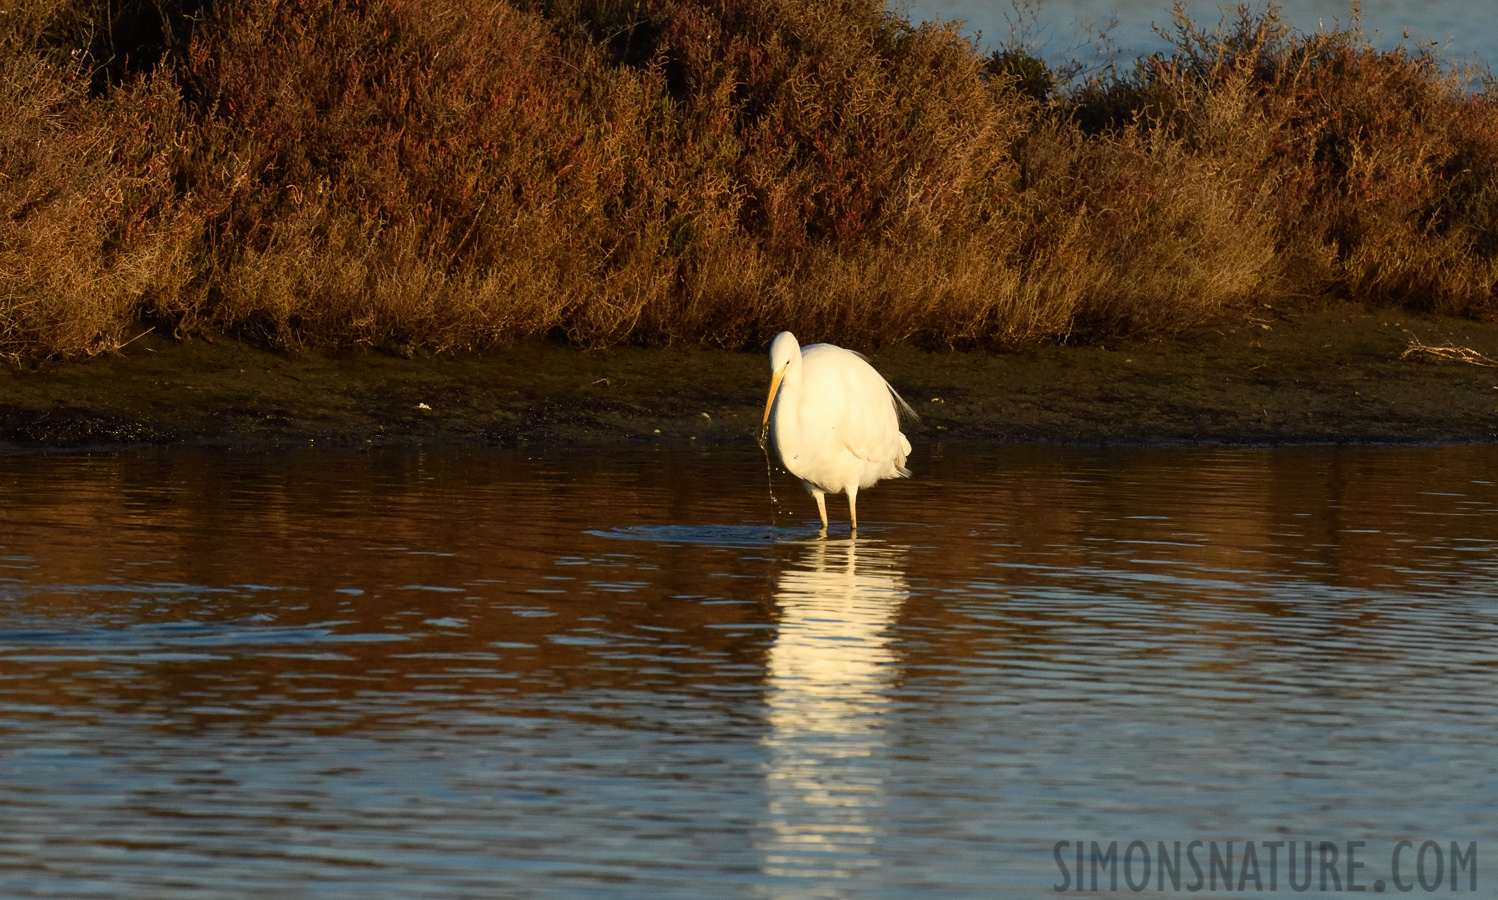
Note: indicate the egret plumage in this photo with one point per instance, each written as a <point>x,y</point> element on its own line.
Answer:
<point>834,421</point>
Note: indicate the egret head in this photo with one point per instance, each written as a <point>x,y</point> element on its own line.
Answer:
<point>783,350</point>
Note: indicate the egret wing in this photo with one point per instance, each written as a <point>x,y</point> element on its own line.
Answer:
<point>854,401</point>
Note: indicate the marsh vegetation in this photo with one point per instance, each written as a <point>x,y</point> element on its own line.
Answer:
<point>444,175</point>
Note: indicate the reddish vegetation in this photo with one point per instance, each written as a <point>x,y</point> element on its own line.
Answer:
<point>446,175</point>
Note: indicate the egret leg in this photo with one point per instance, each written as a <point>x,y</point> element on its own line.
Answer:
<point>853,509</point>
<point>821,509</point>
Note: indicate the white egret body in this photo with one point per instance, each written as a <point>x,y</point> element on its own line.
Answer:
<point>834,421</point>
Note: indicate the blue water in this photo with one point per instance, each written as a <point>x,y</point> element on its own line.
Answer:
<point>1462,31</point>
<point>621,674</point>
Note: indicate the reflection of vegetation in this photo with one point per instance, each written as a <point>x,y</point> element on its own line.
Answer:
<point>450,175</point>
<point>847,619</point>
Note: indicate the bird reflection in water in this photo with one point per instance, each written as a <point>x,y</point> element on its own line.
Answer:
<point>829,672</point>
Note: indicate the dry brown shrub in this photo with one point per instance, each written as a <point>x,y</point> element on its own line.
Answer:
<point>1377,166</point>
<point>386,173</point>
<point>842,151</point>
<point>1131,232</point>
<point>449,175</point>
<point>64,27</point>
<point>87,243</point>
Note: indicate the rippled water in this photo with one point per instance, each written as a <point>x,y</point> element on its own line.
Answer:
<point>590,673</point>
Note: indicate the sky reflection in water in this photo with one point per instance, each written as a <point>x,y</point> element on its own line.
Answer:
<point>586,673</point>
<point>1462,31</point>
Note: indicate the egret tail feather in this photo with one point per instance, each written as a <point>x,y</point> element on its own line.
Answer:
<point>904,409</point>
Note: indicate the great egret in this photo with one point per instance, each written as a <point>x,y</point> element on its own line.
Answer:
<point>834,421</point>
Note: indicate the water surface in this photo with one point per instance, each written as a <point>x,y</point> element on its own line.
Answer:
<point>604,673</point>
<point>1059,30</point>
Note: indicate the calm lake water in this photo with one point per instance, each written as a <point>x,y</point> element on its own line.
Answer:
<point>1462,30</point>
<point>624,674</point>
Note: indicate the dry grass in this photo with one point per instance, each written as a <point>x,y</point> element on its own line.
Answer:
<point>448,175</point>
<point>1448,353</point>
<point>88,236</point>
<point>1378,169</point>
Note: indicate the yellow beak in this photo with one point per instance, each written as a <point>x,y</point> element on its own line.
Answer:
<point>770,401</point>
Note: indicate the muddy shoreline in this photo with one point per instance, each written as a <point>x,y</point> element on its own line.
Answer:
<point>1324,374</point>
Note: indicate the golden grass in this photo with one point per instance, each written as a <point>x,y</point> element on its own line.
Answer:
<point>1448,353</point>
<point>84,243</point>
<point>449,175</point>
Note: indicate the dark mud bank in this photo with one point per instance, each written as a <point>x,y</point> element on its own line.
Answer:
<point>1331,374</point>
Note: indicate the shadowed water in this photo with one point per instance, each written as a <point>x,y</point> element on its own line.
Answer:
<point>603,673</point>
